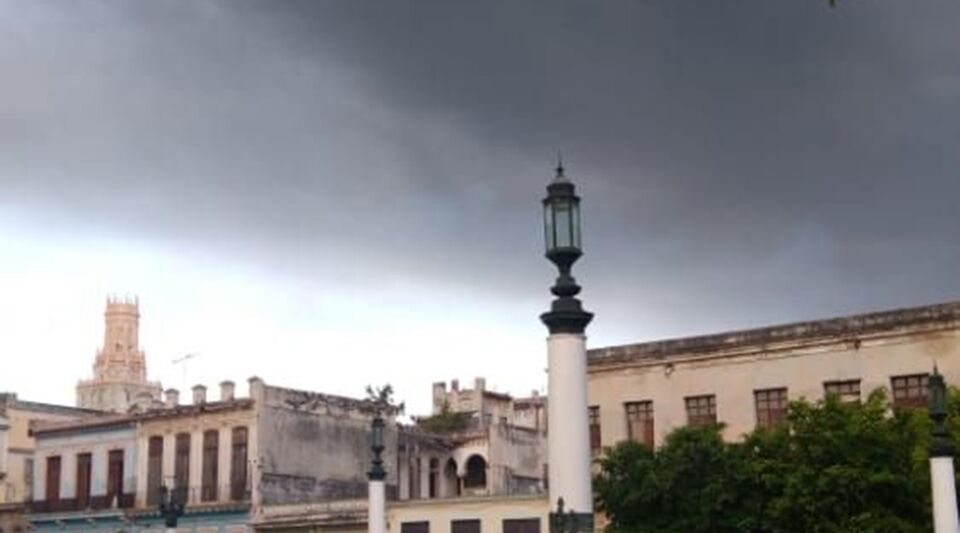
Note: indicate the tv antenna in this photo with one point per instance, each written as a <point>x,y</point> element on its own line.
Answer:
<point>183,360</point>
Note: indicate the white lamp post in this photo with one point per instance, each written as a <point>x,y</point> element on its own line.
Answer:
<point>942,480</point>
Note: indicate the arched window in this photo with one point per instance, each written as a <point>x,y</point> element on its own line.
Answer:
<point>452,481</point>
<point>476,473</point>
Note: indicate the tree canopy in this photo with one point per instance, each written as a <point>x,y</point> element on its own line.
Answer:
<point>830,467</point>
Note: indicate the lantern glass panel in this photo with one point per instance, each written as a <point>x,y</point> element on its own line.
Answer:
<point>548,230</point>
<point>575,208</point>
<point>377,436</point>
<point>563,217</point>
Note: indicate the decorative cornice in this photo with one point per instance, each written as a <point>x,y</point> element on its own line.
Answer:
<point>853,328</point>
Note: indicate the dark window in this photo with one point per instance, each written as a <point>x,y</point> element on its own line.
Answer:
<point>701,410</point>
<point>114,475</point>
<point>640,421</point>
<point>465,526</point>
<point>238,464</point>
<point>593,419</point>
<point>414,480</point>
<point>211,450</point>
<point>771,406</point>
<point>910,391</point>
<point>181,462</point>
<point>476,473</point>
<point>847,391</point>
<point>415,527</point>
<point>53,479</point>
<point>154,469</point>
<point>84,466</point>
<point>434,475</point>
<point>521,525</point>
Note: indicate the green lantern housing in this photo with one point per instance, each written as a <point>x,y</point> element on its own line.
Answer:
<point>561,227</point>
<point>561,217</point>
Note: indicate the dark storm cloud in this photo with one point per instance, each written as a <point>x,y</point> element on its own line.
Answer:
<point>742,162</point>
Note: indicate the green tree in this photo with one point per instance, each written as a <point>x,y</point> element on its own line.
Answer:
<point>830,467</point>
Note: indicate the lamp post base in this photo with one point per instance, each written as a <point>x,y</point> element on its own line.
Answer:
<point>571,522</point>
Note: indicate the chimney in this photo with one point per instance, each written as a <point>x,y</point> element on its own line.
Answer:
<point>480,384</point>
<point>455,385</point>
<point>226,391</point>
<point>172,398</point>
<point>199,394</point>
<point>256,388</point>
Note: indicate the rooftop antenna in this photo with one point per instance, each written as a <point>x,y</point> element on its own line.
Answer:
<point>183,362</point>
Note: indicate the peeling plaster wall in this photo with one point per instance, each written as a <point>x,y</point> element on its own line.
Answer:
<point>316,447</point>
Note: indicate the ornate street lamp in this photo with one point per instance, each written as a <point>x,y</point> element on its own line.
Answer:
<point>171,508</point>
<point>568,446</point>
<point>381,400</point>
<point>942,481</point>
<point>377,473</point>
<point>561,224</point>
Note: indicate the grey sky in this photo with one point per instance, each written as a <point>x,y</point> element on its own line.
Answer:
<point>742,163</point>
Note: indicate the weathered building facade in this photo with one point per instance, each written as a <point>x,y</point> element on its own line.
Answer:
<point>744,379</point>
<point>235,463</point>
<point>17,452</point>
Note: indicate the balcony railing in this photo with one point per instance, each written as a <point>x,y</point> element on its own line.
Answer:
<point>65,505</point>
<point>203,495</point>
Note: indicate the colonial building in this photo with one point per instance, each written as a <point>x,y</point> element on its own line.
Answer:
<point>744,379</point>
<point>17,448</point>
<point>235,463</point>
<point>120,369</point>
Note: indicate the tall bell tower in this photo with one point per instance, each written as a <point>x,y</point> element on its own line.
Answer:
<point>120,369</point>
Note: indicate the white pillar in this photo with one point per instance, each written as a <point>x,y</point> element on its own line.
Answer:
<point>377,507</point>
<point>568,441</point>
<point>944,488</point>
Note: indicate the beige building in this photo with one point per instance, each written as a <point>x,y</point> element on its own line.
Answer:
<point>237,463</point>
<point>17,449</point>
<point>120,369</point>
<point>745,378</point>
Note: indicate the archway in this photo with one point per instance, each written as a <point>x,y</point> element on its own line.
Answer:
<point>476,477</point>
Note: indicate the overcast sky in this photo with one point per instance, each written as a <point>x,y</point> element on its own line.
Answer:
<point>331,194</point>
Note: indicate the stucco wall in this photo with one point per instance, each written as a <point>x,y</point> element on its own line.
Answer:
<point>98,443</point>
<point>317,447</point>
<point>491,511</point>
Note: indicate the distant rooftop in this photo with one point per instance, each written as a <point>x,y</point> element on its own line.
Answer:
<point>926,318</point>
<point>10,400</point>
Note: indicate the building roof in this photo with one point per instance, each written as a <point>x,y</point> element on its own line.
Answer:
<point>9,400</point>
<point>849,328</point>
<point>117,420</point>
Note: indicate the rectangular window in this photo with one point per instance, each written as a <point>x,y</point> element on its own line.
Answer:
<point>847,390</point>
<point>181,464</point>
<point>238,464</point>
<point>521,525</point>
<point>701,410</point>
<point>53,479</point>
<point>154,469</point>
<point>115,475</point>
<point>910,391</point>
<point>771,406</point>
<point>415,527</point>
<point>84,467</point>
<point>593,419</point>
<point>211,451</point>
<point>465,526</point>
<point>28,478</point>
<point>640,421</point>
